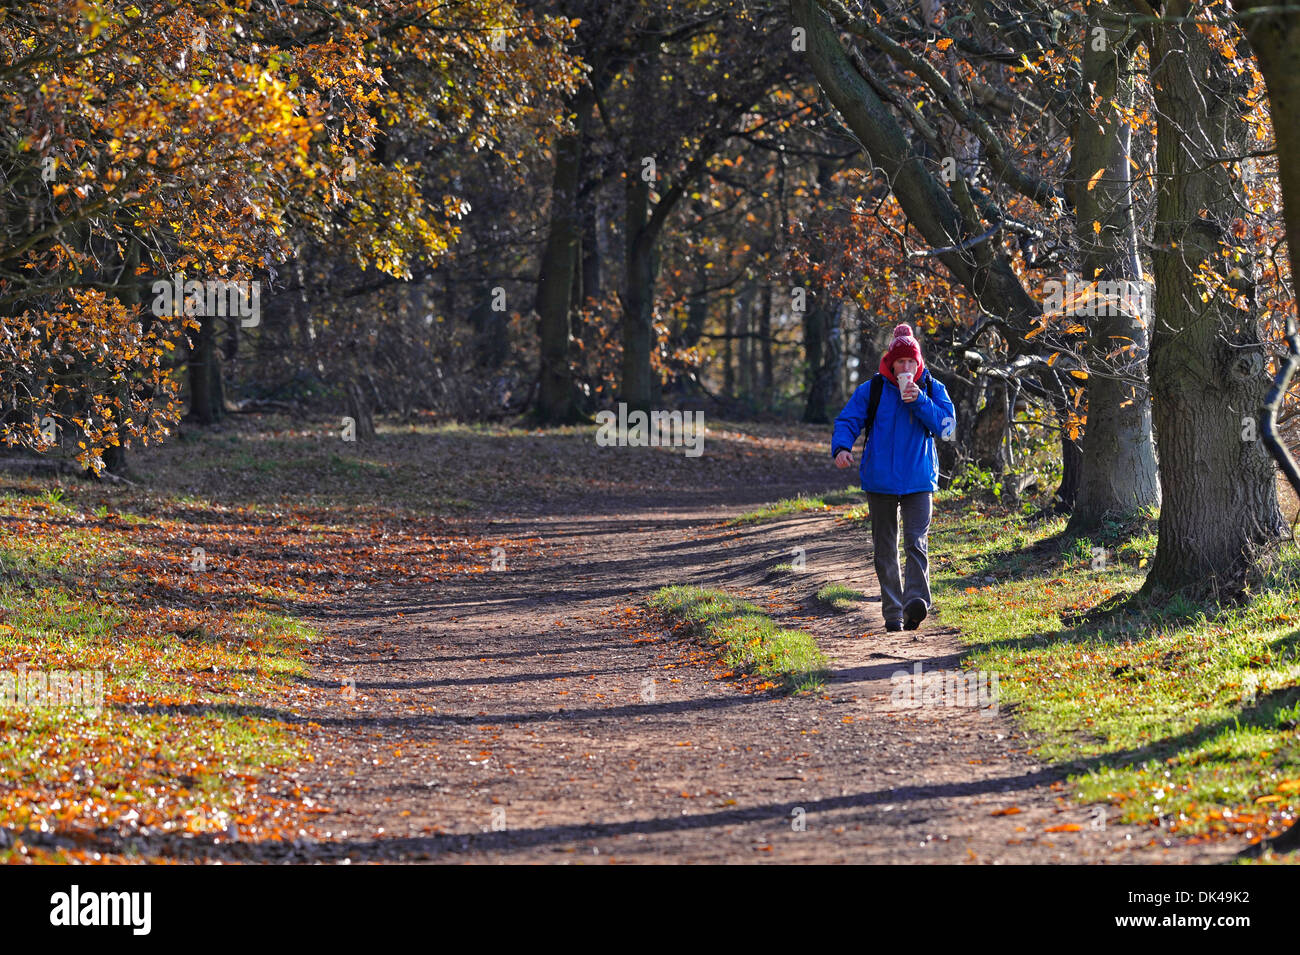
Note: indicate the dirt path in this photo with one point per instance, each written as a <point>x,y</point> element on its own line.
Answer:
<point>533,714</point>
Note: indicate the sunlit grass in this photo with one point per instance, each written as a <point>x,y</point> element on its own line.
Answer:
<point>840,596</point>
<point>750,640</point>
<point>797,505</point>
<point>1182,714</point>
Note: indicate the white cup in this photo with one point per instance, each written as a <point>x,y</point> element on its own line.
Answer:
<point>904,380</point>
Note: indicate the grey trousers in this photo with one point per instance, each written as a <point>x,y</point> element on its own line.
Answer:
<point>884,510</point>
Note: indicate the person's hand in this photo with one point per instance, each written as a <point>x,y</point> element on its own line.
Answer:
<point>844,459</point>
<point>911,392</point>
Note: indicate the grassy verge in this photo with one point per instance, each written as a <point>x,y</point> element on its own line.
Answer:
<point>750,641</point>
<point>1183,716</point>
<point>797,505</point>
<point>839,596</point>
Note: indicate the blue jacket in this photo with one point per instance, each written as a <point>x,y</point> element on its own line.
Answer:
<point>899,457</point>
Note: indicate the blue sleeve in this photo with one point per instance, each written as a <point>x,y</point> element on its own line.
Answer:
<point>848,425</point>
<point>935,412</point>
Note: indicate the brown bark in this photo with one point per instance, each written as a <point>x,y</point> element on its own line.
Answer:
<point>819,372</point>
<point>207,398</point>
<point>1063,501</point>
<point>636,386</point>
<point>1276,43</point>
<point>988,439</point>
<point>728,360</point>
<point>1119,473</point>
<point>359,411</point>
<point>556,277</point>
<point>1219,510</point>
<point>115,456</point>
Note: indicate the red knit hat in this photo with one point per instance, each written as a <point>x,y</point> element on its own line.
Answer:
<point>904,345</point>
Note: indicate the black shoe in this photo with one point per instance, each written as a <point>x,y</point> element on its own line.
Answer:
<point>893,625</point>
<point>913,614</point>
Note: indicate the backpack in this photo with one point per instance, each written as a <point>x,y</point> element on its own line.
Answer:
<point>873,402</point>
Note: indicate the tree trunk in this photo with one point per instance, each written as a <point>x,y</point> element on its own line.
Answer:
<point>1219,510</point>
<point>697,308</point>
<point>1071,474</point>
<point>728,362</point>
<point>1276,43</point>
<point>359,411</point>
<point>989,436</point>
<point>746,349</point>
<point>115,456</point>
<point>833,355</point>
<point>1119,464</point>
<point>556,277</point>
<point>965,399</point>
<point>765,344</point>
<point>638,385</point>
<point>850,345</point>
<point>207,398</point>
<point>815,347</point>
<point>869,350</point>
<point>593,221</point>
<point>576,295</point>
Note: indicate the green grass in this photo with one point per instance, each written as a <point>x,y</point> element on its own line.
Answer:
<point>797,505</point>
<point>839,596</point>
<point>750,640</point>
<point>1185,713</point>
<point>180,744</point>
<point>859,512</point>
<point>39,559</point>
<point>133,752</point>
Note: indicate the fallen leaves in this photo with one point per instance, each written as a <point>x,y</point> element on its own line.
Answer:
<point>186,647</point>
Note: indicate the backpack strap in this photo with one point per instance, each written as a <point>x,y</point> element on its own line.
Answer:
<point>877,385</point>
<point>929,379</point>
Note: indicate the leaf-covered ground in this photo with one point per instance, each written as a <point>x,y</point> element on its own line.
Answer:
<point>440,645</point>
<point>191,590</point>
